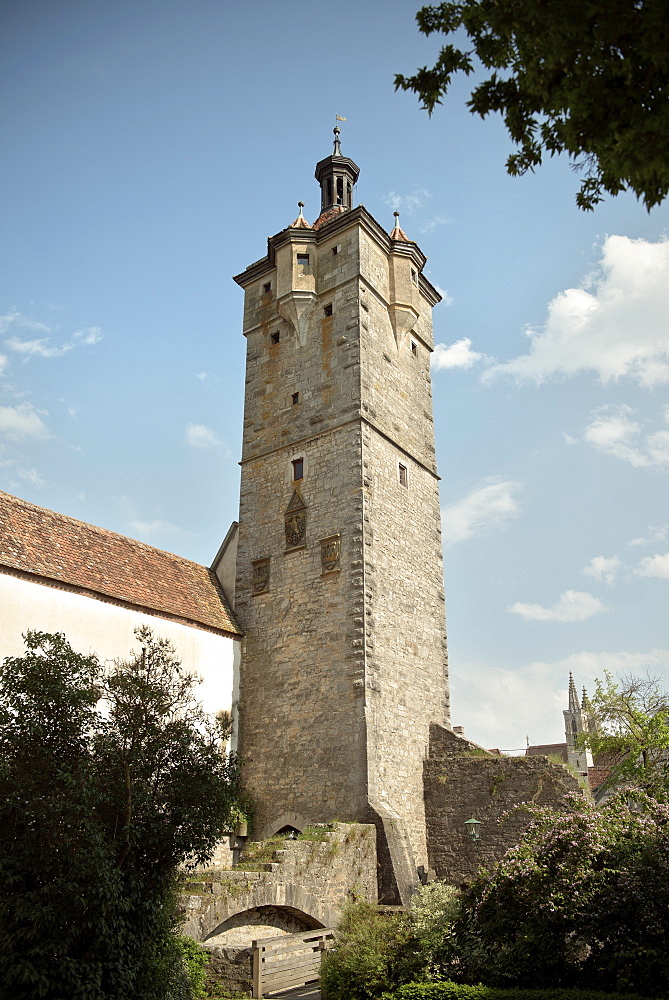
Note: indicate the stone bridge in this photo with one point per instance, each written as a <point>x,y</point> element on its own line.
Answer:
<point>302,887</point>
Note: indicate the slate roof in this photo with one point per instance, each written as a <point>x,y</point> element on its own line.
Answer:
<point>70,554</point>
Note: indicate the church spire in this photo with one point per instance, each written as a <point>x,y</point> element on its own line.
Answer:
<point>573,697</point>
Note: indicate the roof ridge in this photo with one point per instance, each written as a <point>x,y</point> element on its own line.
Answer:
<point>98,528</point>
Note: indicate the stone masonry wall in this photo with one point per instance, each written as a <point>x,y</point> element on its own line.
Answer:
<point>462,781</point>
<point>309,880</point>
<point>345,667</point>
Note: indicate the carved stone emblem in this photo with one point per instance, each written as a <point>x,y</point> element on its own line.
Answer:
<point>330,554</point>
<point>295,521</point>
<point>260,575</point>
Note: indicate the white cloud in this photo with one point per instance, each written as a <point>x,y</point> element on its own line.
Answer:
<point>571,606</point>
<point>456,355</point>
<point>42,348</point>
<point>613,432</point>
<point>434,223</point>
<point>21,423</point>
<point>15,318</point>
<point>446,297</point>
<point>202,376</point>
<point>158,527</point>
<point>615,325</point>
<point>4,361</point>
<point>657,566</point>
<point>200,436</point>
<point>406,202</point>
<point>31,476</point>
<point>603,569</point>
<point>483,509</point>
<point>500,706</point>
<point>655,534</point>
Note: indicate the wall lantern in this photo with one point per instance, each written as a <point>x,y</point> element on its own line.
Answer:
<point>473,828</point>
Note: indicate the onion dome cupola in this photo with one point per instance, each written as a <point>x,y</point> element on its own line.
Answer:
<point>336,175</point>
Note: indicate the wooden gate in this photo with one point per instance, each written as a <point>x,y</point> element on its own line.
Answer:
<point>280,963</point>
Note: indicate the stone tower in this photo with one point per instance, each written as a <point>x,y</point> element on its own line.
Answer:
<point>339,580</point>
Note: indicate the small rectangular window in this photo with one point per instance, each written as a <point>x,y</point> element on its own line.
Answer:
<point>327,310</point>
<point>303,258</point>
<point>335,250</point>
<point>414,276</point>
<point>298,468</point>
<point>275,337</point>
<point>267,287</point>
<point>296,398</point>
<point>414,347</point>
<point>404,477</point>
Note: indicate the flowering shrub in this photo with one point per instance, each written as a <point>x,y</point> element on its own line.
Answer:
<point>583,900</point>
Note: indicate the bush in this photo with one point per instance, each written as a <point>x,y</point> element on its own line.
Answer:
<point>195,961</point>
<point>433,911</point>
<point>369,956</point>
<point>583,900</point>
<point>457,991</point>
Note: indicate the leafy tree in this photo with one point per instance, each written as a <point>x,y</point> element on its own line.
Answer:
<point>587,79</point>
<point>583,900</point>
<point>109,781</point>
<point>631,732</point>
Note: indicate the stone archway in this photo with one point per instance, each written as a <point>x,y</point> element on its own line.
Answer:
<point>291,820</point>
<point>239,929</point>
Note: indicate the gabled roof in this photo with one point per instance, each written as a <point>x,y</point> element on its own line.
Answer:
<point>56,550</point>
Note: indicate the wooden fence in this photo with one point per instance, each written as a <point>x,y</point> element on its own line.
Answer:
<point>281,963</point>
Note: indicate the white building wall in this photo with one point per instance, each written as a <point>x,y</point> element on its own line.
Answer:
<point>93,626</point>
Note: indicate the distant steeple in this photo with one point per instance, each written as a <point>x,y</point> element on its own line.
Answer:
<point>337,176</point>
<point>573,697</point>
<point>573,728</point>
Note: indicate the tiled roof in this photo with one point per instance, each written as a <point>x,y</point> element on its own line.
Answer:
<point>597,776</point>
<point>300,223</point>
<point>328,215</point>
<point>399,234</point>
<point>74,555</point>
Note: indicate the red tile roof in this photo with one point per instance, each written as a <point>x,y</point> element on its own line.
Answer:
<point>328,215</point>
<point>399,234</point>
<point>78,556</point>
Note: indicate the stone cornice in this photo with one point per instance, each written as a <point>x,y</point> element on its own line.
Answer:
<point>355,216</point>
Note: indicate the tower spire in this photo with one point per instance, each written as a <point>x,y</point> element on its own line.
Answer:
<point>336,175</point>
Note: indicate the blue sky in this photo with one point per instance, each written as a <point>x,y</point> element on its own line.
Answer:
<point>149,147</point>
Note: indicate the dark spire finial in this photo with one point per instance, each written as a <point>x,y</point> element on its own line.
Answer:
<point>337,144</point>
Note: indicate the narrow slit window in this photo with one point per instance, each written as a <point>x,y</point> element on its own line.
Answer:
<point>335,251</point>
<point>327,310</point>
<point>298,468</point>
<point>267,287</point>
<point>296,398</point>
<point>303,258</point>
<point>275,337</point>
<point>404,475</point>
<point>414,348</point>
<point>414,276</point>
